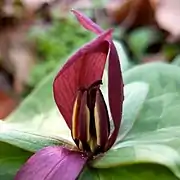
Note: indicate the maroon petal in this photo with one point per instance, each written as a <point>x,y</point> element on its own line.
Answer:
<point>115,82</point>
<point>81,70</point>
<point>87,23</point>
<point>115,92</point>
<point>52,163</point>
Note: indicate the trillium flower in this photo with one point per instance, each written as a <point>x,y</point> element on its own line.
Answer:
<point>77,93</point>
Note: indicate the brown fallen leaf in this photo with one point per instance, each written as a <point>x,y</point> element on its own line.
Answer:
<point>35,4</point>
<point>118,10</point>
<point>17,55</point>
<point>131,13</point>
<point>62,7</point>
<point>5,81</point>
<point>167,13</point>
<point>7,104</point>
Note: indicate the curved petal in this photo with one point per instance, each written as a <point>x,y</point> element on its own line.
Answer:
<point>115,92</point>
<point>115,82</point>
<point>81,70</point>
<point>52,163</point>
<point>87,23</point>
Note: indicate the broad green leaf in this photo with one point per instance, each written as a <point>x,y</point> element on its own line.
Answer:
<point>27,140</point>
<point>155,135</point>
<point>11,159</point>
<point>129,172</point>
<point>34,125</point>
<point>176,61</point>
<point>152,153</point>
<point>134,98</point>
<point>37,122</point>
<point>163,78</point>
<point>38,112</point>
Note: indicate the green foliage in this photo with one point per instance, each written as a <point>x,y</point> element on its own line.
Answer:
<point>37,118</point>
<point>11,159</point>
<point>154,134</point>
<point>149,138</point>
<point>132,106</point>
<point>34,125</point>
<point>176,61</point>
<point>129,172</point>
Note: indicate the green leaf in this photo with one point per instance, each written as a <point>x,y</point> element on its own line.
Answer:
<point>134,97</point>
<point>176,61</point>
<point>37,122</point>
<point>26,140</point>
<point>11,159</point>
<point>34,125</point>
<point>34,111</point>
<point>163,78</point>
<point>129,172</point>
<point>155,135</point>
<point>152,153</point>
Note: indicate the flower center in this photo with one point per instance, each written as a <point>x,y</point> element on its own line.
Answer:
<point>90,120</point>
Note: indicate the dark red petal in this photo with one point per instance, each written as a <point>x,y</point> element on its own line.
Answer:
<point>81,70</point>
<point>87,23</point>
<point>52,163</point>
<point>115,92</point>
<point>115,85</point>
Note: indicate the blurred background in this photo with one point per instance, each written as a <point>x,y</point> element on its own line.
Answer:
<point>35,35</point>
